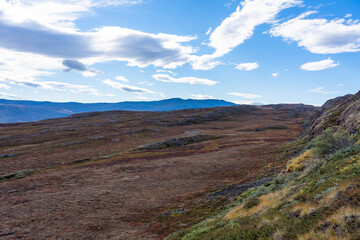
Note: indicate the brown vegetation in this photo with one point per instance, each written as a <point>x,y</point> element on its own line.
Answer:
<point>76,178</point>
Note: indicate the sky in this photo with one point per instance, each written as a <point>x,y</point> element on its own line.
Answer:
<point>246,52</point>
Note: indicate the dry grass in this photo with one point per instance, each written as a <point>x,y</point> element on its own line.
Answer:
<point>337,219</point>
<point>297,164</point>
<point>339,216</point>
<point>330,197</point>
<point>328,235</point>
<point>304,208</point>
<point>265,202</point>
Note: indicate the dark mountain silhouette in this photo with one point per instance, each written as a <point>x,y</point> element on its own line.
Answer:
<point>25,111</point>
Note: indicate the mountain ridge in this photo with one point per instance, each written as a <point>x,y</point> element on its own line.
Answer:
<point>26,110</point>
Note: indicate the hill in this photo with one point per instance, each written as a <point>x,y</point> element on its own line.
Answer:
<point>317,195</point>
<point>26,111</point>
<point>136,175</point>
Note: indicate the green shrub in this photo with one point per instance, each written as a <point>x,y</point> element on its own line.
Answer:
<point>330,141</point>
<point>347,152</point>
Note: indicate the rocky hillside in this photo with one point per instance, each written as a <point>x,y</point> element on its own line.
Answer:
<point>342,111</point>
<point>317,195</point>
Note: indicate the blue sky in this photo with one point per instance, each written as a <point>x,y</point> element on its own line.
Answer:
<point>249,51</point>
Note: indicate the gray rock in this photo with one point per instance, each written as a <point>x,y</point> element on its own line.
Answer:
<point>176,142</point>
<point>8,155</point>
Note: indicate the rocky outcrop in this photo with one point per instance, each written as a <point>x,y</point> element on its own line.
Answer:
<point>176,142</point>
<point>341,111</point>
<point>216,115</point>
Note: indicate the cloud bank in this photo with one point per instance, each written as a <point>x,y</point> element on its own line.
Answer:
<point>320,35</point>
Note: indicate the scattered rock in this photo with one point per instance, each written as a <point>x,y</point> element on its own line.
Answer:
<point>143,130</point>
<point>181,210</point>
<point>191,132</point>
<point>6,232</point>
<point>176,142</point>
<point>239,188</point>
<point>131,178</point>
<point>8,176</point>
<point>96,138</point>
<point>324,226</point>
<point>275,127</point>
<point>16,175</point>
<point>294,214</point>
<point>71,143</point>
<point>338,229</point>
<point>81,160</point>
<point>8,155</point>
<point>68,129</point>
<point>4,137</point>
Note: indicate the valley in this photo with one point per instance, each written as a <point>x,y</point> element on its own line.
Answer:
<point>94,176</point>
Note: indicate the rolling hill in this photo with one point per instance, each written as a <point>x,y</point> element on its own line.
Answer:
<point>136,175</point>
<point>25,111</point>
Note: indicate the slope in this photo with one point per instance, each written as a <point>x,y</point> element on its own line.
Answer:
<point>98,175</point>
<point>317,196</point>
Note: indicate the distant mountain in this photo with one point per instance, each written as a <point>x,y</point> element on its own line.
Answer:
<point>25,111</point>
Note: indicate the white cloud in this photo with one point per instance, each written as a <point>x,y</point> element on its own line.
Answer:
<point>321,90</point>
<point>319,35</point>
<point>275,74</point>
<point>320,65</point>
<point>248,66</point>
<point>239,26</point>
<point>245,95</point>
<point>58,14</point>
<point>145,83</point>
<point>142,98</point>
<point>204,62</point>
<point>8,96</point>
<point>201,97</point>
<point>228,4</point>
<point>244,102</point>
<point>348,15</point>
<point>209,31</point>
<point>122,79</point>
<point>127,88</point>
<point>340,85</point>
<point>165,71</point>
<point>26,69</point>
<point>20,65</point>
<point>4,86</point>
<point>57,86</point>
<point>78,66</point>
<point>189,80</point>
<point>106,3</point>
<point>50,30</point>
<point>139,48</point>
